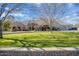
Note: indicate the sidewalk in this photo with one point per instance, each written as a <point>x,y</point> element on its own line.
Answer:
<point>15,32</point>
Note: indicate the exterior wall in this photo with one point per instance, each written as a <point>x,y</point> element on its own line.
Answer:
<point>78,29</point>
<point>36,27</point>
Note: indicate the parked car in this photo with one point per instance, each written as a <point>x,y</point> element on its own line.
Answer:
<point>73,28</point>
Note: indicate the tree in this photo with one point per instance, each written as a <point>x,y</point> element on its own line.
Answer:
<point>7,24</point>
<point>50,12</point>
<point>2,19</point>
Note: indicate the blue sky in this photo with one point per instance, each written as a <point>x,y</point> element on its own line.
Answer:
<point>29,11</point>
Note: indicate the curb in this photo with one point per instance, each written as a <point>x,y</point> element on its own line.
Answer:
<point>17,51</point>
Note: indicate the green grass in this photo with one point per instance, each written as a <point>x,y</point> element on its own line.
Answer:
<point>41,39</point>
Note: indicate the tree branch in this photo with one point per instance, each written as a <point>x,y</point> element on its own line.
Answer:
<point>3,19</point>
<point>2,9</point>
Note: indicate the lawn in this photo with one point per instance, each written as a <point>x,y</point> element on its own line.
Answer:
<point>41,39</point>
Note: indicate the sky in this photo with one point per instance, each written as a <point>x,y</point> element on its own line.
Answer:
<point>29,11</point>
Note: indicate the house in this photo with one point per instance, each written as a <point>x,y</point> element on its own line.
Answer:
<point>33,26</point>
<point>39,25</point>
<point>18,26</point>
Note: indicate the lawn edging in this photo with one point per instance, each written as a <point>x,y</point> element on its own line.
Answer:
<point>18,51</point>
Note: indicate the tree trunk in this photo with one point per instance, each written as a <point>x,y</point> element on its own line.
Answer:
<point>1,35</point>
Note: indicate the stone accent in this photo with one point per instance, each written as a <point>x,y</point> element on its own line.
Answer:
<point>17,51</point>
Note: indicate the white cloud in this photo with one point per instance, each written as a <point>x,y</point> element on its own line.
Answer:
<point>3,15</point>
<point>7,8</point>
<point>67,16</point>
<point>14,14</point>
<point>75,14</point>
<point>70,5</point>
<point>38,4</point>
<point>17,14</point>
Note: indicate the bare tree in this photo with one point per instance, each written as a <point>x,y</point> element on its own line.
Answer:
<point>50,12</point>
<point>8,23</point>
<point>2,11</point>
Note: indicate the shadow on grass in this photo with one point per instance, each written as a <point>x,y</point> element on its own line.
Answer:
<point>57,42</point>
<point>33,43</point>
<point>17,40</point>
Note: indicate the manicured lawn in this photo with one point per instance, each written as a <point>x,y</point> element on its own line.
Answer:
<point>41,39</point>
